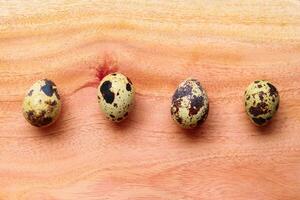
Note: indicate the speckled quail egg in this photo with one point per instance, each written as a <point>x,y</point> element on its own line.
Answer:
<point>115,96</point>
<point>261,101</point>
<point>42,105</point>
<point>189,106</point>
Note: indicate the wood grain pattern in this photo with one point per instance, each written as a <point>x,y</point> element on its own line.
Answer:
<point>225,44</point>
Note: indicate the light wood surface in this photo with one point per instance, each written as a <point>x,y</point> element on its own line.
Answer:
<point>224,44</point>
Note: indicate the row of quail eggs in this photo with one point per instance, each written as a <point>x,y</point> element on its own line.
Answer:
<point>189,104</point>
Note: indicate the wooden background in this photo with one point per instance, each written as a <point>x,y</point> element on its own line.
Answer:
<point>224,44</point>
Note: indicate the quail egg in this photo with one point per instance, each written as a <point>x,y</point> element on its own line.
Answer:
<point>42,105</point>
<point>189,106</point>
<point>261,101</point>
<point>115,96</point>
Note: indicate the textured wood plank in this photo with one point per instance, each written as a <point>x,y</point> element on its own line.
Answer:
<point>157,44</point>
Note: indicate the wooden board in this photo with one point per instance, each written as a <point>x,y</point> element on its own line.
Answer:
<point>224,44</point>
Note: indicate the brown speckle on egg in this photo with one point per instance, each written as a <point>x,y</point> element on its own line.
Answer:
<point>106,93</point>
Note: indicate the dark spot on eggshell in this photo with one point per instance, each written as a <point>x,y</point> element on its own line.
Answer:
<point>196,104</point>
<point>259,120</point>
<point>179,120</point>
<point>112,116</point>
<point>120,118</point>
<point>175,107</point>
<point>259,86</point>
<point>46,120</point>
<point>108,96</point>
<point>30,114</point>
<point>38,119</point>
<point>115,105</point>
<point>256,81</point>
<point>173,110</point>
<point>51,103</point>
<point>261,95</point>
<point>273,91</point>
<point>49,88</point>
<point>30,92</point>
<point>128,87</point>
<point>261,108</point>
<point>248,97</point>
<point>185,90</point>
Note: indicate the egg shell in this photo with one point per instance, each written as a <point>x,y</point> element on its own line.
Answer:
<point>115,96</point>
<point>42,104</point>
<point>189,107</point>
<point>261,102</point>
